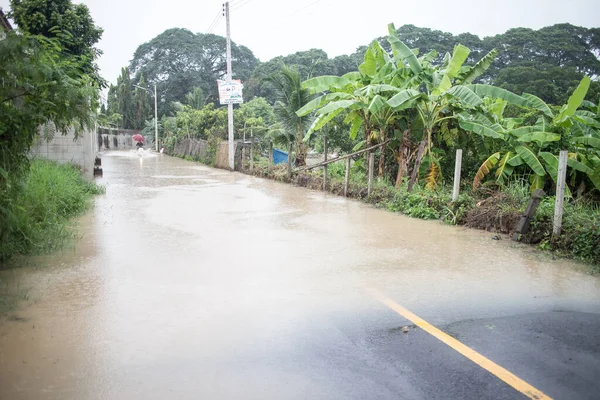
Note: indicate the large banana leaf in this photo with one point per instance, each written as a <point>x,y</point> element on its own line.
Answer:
<point>587,120</point>
<point>591,173</point>
<point>321,101</point>
<point>480,129</point>
<point>551,164</point>
<point>479,68</point>
<point>320,122</point>
<point>459,56</point>
<point>466,96</point>
<point>402,98</point>
<point>369,65</point>
<point>587,141</point>
<point>323,83</point>
<point>540,137</point>
<point>531,159</point>
<point>352,76</point>
<point>356,124</point>
<point>518,132</point>
<point>575,100</point>
<point>401,51</point>
<point>515,161</point>
<point>336,105</point>
<point>376,104</point>
<point>504,168</point>
<point>485,169</point>
<point>498,93</point>
<point>536,182</point>
<point>371,90</point>
<point>538,104</point>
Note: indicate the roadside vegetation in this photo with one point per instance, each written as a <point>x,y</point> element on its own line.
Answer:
<point>50,85</point>
<point>421,107</point>
<point>41,219</point>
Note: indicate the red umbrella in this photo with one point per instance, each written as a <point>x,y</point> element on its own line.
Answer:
<point>138,138</point>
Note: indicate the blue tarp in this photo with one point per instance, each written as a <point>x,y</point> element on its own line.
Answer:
<point>279,156</point>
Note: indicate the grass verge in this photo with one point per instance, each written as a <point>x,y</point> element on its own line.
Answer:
<point>36,215</point>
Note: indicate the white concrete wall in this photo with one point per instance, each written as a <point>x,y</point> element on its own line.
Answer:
<point>65,149</point>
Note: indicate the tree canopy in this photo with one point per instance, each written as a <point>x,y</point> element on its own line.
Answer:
<point>70,24</point>
<point>178,60</point>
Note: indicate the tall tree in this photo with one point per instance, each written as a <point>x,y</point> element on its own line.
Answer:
<point>71,24</point>
<point>177,60</point>
<point>125,99</point>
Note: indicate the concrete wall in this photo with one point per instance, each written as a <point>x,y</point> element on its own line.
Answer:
<point>117,139</point>
<point>65,149</point>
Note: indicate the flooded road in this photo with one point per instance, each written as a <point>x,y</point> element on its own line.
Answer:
<point>196,283</point>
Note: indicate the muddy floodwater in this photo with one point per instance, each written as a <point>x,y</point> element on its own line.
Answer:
<point>195,283</point>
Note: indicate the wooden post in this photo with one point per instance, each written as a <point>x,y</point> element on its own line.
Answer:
<point>560,192</point>
<point>270,156</point>
<point>289,173</point>
<point>347,180</point>
<point>325,166</point>
<point>371,168</point>
<point>523,224</point>
<point>243,154</point>
<point>252,156</point>
<point>457,167</point>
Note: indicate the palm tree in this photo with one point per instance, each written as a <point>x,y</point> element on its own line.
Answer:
<point>291,97</point>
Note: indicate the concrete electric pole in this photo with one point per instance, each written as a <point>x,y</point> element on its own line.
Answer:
<point>229,78</point>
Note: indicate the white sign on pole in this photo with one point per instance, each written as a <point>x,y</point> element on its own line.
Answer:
<point>230,92</point>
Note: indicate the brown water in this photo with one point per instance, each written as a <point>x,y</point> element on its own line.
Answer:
<point>191,282</point>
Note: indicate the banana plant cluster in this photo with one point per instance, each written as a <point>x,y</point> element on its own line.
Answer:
<point>403,89</point>
<point>534,148</point>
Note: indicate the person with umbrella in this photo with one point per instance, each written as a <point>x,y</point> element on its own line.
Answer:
<point>139,139</point>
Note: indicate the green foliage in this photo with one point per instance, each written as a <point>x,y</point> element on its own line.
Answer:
<point>70,24</point>
<point>37,221</point>
<point>580,236</point>
<point>178,60</point>
<point>291,96</point>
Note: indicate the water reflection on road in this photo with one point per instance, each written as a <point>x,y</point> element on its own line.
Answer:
<point>191,282</point>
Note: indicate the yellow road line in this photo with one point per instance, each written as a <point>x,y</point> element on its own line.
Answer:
<point>466,351</point>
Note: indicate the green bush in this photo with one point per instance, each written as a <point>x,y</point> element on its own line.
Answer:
<point>37,217</point>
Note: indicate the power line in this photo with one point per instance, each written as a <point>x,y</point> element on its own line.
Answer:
<point>214,23</point>
<point>303,8</point>
<point>239,5</point>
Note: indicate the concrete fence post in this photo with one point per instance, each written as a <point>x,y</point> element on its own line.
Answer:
<point>371,168</point>
<point>347,180</point>
<point>325,166</point>
<point>560,192</point>
<point>457,168</point>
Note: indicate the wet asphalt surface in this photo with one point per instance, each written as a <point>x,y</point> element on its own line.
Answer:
<point>195,283</point>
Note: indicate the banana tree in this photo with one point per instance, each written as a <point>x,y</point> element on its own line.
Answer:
<point>443,91</point>
<point>363,94</point>
<point>535,147</point>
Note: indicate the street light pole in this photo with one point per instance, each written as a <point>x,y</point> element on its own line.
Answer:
<point>155,115</point>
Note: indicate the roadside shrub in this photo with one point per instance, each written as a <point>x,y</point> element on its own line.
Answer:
<point>38,218</point>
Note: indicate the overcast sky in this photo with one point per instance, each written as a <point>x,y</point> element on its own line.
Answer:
<point>271,28</point>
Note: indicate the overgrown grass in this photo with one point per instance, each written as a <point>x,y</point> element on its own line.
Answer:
<point>37,219</point>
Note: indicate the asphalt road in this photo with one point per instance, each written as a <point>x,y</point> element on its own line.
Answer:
<point>195,283</point>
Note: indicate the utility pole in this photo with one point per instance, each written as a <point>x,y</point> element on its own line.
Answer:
<point>155,121</point>
<point>229,78</point>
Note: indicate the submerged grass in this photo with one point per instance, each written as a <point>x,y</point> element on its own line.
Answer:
<point>37,218</point>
